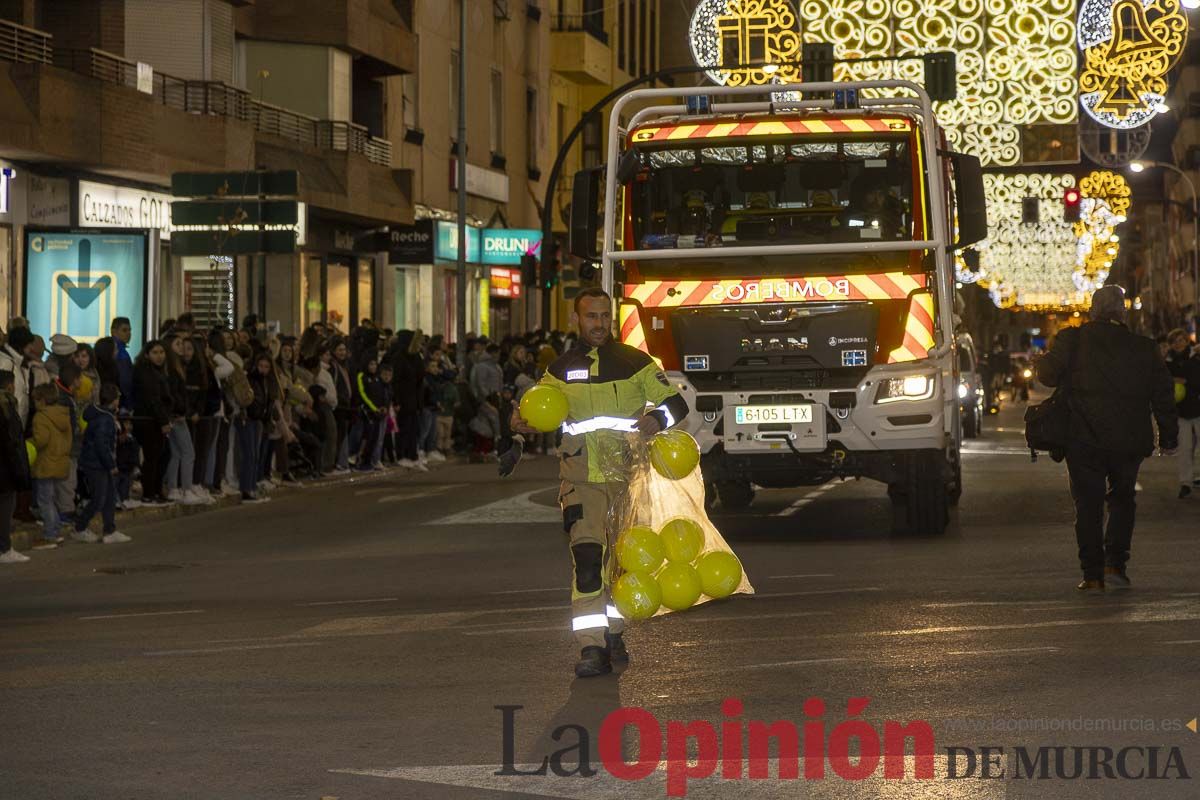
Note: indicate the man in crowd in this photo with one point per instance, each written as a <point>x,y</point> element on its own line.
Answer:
<point>1185,369</point>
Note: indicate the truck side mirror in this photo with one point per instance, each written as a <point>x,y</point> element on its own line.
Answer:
<point>972,205</point>
<point>585,212</point>
<point>628,167</point>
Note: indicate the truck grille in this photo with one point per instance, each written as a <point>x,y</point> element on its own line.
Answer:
<point>776,380</point>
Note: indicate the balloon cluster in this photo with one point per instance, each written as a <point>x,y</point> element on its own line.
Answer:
<point>667,569</point>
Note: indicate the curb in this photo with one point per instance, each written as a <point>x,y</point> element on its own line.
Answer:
<point>26,534</point>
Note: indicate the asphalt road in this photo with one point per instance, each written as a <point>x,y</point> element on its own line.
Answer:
<point>354,641</point>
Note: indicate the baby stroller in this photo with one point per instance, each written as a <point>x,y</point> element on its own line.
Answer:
<point>299,463</point>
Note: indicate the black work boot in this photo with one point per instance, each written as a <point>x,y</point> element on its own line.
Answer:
<point>593,661</point>
<point>616,648</point>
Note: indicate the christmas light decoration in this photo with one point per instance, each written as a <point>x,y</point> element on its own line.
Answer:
<point>1128,48</point>
<point>1016,60</point>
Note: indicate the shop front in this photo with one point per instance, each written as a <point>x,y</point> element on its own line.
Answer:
<point>424,257</point>
<point>337,277</point>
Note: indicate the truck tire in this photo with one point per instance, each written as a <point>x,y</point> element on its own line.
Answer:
<point>925,508</point>
<point>972,424</point>
<point>735,495</point>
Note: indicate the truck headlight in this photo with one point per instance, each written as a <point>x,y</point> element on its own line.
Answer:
<point>963,391</point>
<point>909,387</point>
<point>1027,373</point>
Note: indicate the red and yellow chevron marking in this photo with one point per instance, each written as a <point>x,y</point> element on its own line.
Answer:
<point>918,330</point>
<point>631,327</point>
<point>776,127</point>
<point>880,286</point>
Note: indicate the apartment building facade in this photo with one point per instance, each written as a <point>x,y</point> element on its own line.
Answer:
<point>103,100</point>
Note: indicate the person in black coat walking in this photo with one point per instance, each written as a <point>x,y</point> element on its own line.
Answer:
<point>152,417</point>
<point>14,466</point>
<point>1116,382</point>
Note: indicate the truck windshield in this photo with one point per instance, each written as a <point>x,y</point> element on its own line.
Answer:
<point>806,190</point>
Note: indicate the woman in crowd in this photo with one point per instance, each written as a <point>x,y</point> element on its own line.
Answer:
<point>326,406</point>
<point>89,384</point>
<point>220,408</point>
<point>181,462</point>
<point>152,417</point>
<point>201,423</point>
<point>339,366</point>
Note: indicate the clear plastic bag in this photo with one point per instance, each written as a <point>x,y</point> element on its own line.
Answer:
<point>654,500</point>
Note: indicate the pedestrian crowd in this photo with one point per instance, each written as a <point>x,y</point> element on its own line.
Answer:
<point>92,430</point>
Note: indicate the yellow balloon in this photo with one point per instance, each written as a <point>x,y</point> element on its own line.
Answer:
<point>30,451</point>
<point>674,454</point>
<point>682,540</point>
<point>544,408</point>
<point>1180,392</point>
<point>636,595</point>
<point>680,586</point>
<point>720,573</point>
<point>639,550</point>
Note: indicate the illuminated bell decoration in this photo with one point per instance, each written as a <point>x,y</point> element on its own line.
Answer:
<point>1128,48</point>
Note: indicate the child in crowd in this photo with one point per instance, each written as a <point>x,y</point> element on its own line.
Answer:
<point>98,460</point>
<point>52,440</point>
<point>129,454</point>
<point>485,427</point>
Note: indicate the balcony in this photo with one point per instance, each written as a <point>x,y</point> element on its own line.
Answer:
<point>220,99</point>
<point>579,49</point>
<point>93,110</point>
<point>373,30</point>
<point>22,45</point>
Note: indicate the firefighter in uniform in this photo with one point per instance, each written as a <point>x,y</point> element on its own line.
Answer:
<point>614,393</point>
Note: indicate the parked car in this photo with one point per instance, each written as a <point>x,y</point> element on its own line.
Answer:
<point>971,387</point>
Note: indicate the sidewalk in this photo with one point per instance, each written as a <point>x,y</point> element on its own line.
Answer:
<point>27,534</point>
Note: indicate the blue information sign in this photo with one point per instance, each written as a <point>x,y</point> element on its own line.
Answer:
<point>76,283</point>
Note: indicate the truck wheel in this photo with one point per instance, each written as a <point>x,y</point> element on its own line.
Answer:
<point>972,423</point>
<point>926,507</point>
<point>955,489</point>
<point>735,495</point>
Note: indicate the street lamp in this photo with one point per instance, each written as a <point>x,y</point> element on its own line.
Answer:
<point>1141,166</point>
<point>1192,4</point>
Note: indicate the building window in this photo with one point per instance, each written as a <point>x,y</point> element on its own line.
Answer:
<point>409,101</point>
<point>531,132</point>
<point>496,139</point>
<point>591,143</point>
<point>560,122</point>
<point>622,33</point>
<point>454,68</point>
<point>643,63</point>
<point>652,35</point>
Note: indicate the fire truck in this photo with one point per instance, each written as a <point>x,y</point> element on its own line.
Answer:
<point>789,262</point>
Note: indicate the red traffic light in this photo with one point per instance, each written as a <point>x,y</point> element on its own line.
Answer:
<point>1071,205</point>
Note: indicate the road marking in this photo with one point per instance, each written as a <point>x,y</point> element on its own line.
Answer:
<point>820,591</point>
<point>564,628</point>
<point>145,614</point>
<point>525,781</point>
<point>800,663</point>
<point>349,602</point>
<point>417,494</point>
<point>410,623</point>
<point>1187,594</point>
<point>793,508</point>
<point>812,575</point>
<point>242,648</point>
<point>966,603</point>
<point>1004,650</point>
<point>534,591</point>
<point>1182,641</point>
<point>1179,616</point>
<point>518,510</point>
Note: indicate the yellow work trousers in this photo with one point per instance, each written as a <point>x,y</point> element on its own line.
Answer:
<point>590,513</point>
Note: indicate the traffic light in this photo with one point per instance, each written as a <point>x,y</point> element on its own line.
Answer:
<point>941,75</point>
<point>528,270</point>
<point>550,265</point>
<point>1029,211</point>
<point>1071,205</point>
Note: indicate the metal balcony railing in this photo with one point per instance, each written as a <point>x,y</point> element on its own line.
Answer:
<point>23,45</point>
<point>583,15</point>
<point>220,99</point>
